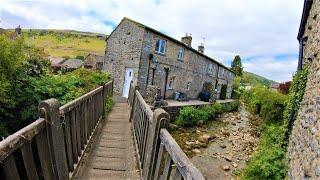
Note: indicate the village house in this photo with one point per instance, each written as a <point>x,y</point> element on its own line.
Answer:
<point>94,62</point>
<point>148,57</point>
<point>304,146</point>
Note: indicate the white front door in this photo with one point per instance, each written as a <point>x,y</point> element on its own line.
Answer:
<point>127,79</point>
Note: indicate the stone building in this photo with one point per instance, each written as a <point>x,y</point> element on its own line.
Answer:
<point>94,61</point>
<point>304,145</point>
<point>148,57</point>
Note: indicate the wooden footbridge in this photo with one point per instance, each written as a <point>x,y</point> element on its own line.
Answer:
<point>79,141</point>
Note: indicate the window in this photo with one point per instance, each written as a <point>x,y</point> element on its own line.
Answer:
<point>181,53</point>
<point>188,86</point>
<point>161,46</point>
<point>210,68</point>
<point>171,82</point>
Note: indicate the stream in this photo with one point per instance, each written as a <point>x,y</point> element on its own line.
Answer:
<point>221,148</point>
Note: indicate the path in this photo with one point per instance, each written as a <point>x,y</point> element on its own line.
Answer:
<point>112,154</point>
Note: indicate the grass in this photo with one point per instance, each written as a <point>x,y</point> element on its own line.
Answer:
<point>65,43</point>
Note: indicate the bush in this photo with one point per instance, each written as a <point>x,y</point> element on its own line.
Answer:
<point>109,104</point>
<point>268,162</point>
<point>190,116</point>
<point>268,104</point>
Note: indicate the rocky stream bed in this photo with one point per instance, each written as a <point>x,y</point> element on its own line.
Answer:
<point>220,148</point>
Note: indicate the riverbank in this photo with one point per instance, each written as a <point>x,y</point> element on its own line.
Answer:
<point>221,148</point>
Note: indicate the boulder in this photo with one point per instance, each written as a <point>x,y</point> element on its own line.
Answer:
<point>205,138</point>
<point>226,167</point>
<point>197,151</point>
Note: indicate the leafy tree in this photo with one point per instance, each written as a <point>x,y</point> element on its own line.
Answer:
<point>236,66</point>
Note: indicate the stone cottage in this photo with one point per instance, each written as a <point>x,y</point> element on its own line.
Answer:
<point>148,57</point>
<point>94,61</point>
<point>304,146</point>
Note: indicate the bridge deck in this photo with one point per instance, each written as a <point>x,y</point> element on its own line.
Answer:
<point>111,155</point>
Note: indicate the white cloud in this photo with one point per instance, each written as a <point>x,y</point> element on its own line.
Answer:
<point>251,28</point>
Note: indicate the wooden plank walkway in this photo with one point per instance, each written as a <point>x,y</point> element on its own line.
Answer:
<point>112,154</point>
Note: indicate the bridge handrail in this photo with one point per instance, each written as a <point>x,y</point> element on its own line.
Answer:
<point>57,140</point>
<point>152,139</point>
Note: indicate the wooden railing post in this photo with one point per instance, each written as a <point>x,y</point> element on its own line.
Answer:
<point>49,109</point>
<point>133,102</point>
<point>160,120</point>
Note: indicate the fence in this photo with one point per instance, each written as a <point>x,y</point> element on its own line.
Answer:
<point>154,144</point>
<point>52,146</point>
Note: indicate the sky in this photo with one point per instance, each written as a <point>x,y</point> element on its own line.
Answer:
<point>262,32</point>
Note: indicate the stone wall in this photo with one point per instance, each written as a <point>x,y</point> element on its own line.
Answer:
<point>123,49</point>
<point>304,146</point>
<point>192,69</point>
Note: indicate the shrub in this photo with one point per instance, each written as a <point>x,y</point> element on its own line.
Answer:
<point>80,57</point>
<point>109,104</point>
<point>190,116</point>
<point>268,162</point>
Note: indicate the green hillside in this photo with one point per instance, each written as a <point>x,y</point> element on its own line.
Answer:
<point>59,43</point>
<point>253,79</point>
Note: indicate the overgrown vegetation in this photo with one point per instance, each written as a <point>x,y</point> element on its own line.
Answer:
<point>25,81</point>
<point>278,112</point>
<point>191,116</point>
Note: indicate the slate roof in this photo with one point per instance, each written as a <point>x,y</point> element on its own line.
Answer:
<point>305,14</point>
<point>174,40</point>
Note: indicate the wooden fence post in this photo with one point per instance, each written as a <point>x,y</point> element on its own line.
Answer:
<point>49,109</point>
<point>160,120</point>
<point>133,102</point>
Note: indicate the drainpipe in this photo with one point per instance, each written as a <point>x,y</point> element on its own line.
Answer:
<point>300,54</point>
<point>166,81</point>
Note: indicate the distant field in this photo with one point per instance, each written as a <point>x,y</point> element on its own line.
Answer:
<point>59,43</point>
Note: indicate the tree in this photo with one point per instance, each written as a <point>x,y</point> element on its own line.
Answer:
<point>236,66</point>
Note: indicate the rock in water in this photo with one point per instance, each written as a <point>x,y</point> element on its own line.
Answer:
<point>223,146</point>
<point>226,168</point>
<point>234,164</point>
<point>197,151</point>
<point>204,138</point>
<point>228,158</point>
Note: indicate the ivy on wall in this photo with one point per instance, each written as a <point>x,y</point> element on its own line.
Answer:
<point>297,90</point>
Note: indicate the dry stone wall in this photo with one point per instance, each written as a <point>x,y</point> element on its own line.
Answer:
<point>304,146</point>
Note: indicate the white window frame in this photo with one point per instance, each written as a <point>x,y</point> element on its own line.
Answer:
<point>189,86</point>
<point>181,53</point>
<point>162,45</point>
<point>171,82</point>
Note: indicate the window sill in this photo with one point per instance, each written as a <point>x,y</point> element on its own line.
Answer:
<point>159,53</point>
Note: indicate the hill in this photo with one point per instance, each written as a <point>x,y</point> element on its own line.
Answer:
<point>253,79</point>
<point>59,43</point>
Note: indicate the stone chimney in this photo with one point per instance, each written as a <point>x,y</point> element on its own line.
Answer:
<point>201,48</point>
<point>187,39</point>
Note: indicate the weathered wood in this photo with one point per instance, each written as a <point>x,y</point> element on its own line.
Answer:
<point>86,120</point>
<point>78,119</point>
<point>68,141</point>
<point>44,155</point>
<point>144,105</point>
<point>186,168</point>
<point>28,161</point>
<point>167,169</point>
<point>73,104</point>
<point>49,109</point>
<point>14,141</point>
<point>158,162</point>
<point>160,119</point>
<point>10,169</point>
<point>177,175</point>
<point>74,135</point>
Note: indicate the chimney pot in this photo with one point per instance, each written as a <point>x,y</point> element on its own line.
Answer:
<point>201,48</point>
<point>187,39</point>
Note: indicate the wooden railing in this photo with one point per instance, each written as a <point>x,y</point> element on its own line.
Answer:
<point>153,142</point>
<point>52,146</point>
